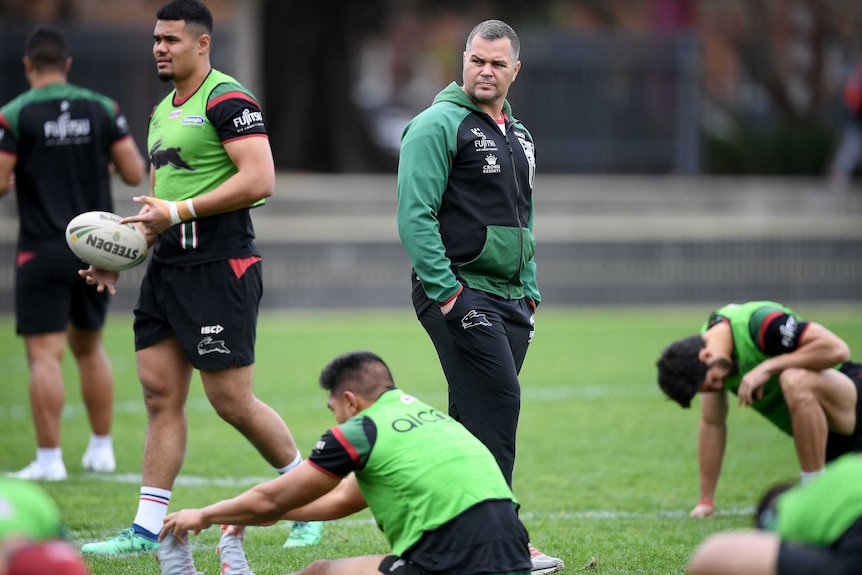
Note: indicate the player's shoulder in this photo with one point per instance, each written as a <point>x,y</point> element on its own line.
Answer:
<point>221,87</point>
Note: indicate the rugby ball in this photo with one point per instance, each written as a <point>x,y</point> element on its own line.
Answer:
<point>99,239</point>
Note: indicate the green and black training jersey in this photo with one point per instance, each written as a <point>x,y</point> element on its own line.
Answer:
<point>760,330</point>
<point>435,490</point>
<point>61,135</point>
<point>186,148</point>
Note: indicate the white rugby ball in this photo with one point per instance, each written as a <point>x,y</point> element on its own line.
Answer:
<point>99,239</point>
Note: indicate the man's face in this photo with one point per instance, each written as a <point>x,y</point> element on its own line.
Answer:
<point>340,407</point>
<point>489,69</point>
<point>717,369</point>
<point>176,49</point>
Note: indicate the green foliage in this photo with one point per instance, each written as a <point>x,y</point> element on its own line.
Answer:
<point>606,470</point>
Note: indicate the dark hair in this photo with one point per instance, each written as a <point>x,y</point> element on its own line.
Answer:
<point>766,513</point>
<point>494,30</point>
<point>362,371</point>
<point>192,12</point>
<point>46,48</point>
<point>680,372</point>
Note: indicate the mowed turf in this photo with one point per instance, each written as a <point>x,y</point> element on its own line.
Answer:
<point>606,468</point>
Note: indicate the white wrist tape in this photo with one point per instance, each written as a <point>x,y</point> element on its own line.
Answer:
<point>191,206</point>
<point>175,214</point>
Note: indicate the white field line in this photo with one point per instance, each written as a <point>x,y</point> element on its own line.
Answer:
<point>590,514</point>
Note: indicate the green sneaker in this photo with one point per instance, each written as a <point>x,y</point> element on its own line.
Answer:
<point>304,533</point>
<point>126,541</point>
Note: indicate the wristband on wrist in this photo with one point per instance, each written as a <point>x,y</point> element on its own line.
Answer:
<point>174,213</point>
<point>706,502</point>
<point>186,210</point>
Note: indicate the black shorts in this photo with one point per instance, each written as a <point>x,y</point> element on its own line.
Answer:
<point>837,445</point>
<point>49,295</point>
<point>844,557</point>
<point>211,308</point>
<point>392,565</point>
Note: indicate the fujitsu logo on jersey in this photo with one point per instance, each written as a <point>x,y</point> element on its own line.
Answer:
<point>247,119</point>
<point>66,127</point>
<point>788,332</point>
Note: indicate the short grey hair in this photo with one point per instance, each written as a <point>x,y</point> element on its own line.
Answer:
<point>494,30</point>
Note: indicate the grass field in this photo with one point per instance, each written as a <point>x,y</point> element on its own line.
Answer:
<point>606,469</point>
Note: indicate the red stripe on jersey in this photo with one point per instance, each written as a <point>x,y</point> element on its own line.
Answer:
<point>319,468</point>
<point>240,265</point>
<point>348,447</point>
<point>230,96</point>
<point>244,137</point>
<point>4,122</point>
<point>24,257</point>
<point>764,325</point>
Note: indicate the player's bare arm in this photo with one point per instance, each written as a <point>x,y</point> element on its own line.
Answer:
<point>7,172</point>
<point>712,437</point>
<point>260,505</point>
<point>346,499</point>
<point>128,161</point>
<point>818,349</point>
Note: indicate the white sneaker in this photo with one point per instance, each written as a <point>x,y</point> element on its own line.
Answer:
<point>175,557</point>
<point>38,472</point>
<point>230,551</point>
<point>544,563</point>
<point>101,460</point>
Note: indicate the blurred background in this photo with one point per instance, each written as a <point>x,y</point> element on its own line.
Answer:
<point>688,150</point>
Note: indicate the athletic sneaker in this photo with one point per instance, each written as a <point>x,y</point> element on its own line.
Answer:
<point>544,563</point>
<point>101,460</point>
<point>304,533</point>
<point>175,557</point>
<point>230,551</point>
<point>126,541</point>
<point>38,472</point>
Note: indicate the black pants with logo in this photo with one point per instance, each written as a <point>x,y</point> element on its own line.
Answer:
<point>482,343</point>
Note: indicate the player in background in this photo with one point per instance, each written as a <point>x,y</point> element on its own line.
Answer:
<point>210,162</point>
<point>465,216</point>
<point>59,141</point>
<point>796,373</point>
<point>805,529</point>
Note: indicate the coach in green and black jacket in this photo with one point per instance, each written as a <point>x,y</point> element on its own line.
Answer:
<point>465,217</point>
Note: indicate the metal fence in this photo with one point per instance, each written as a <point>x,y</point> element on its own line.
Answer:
<point>612,103</point>
<point>331,242</point>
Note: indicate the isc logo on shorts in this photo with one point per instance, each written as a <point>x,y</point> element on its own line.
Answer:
<point>211,329</point>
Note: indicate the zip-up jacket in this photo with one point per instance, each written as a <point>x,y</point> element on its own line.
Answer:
<point>465,202</point>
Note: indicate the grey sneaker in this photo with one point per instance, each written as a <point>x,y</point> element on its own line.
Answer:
<point>175,557</point>
<point>230,551</point>
<point>544,564</point>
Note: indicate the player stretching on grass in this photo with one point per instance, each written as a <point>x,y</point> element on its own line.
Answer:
<point>198,304</point>
<point>435,490</point>
<point>796,373</point>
